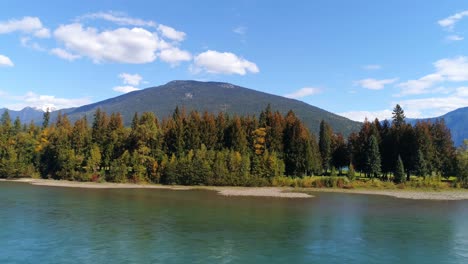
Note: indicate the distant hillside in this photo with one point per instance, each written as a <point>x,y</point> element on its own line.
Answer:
<point>212,97</point>
<point>26,115</point>
<point>202,96</point>
<point>456,121</point>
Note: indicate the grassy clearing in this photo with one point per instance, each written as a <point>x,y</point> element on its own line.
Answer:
<point>419,183</point>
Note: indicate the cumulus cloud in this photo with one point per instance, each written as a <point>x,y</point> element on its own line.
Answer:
<point>374,84</point>
<point>360,116</point>
<point>125,89</point>
<point>45,101</point>
<point>303,92</point>
<point>119,19</point>
<point>28,43</point>
<point>5,61</point>
<point>454,38</point>
<point>171,33</point>
<point>449,22</point>
<point>449,69</point>
<point>223,63</point>
<point>131,79</point>
<point>372,67</point>
<point>174,55</point>
<point>418,108</point>
<point>64,54</point>
<point>31,25</point>
<point>434,106</point>
<point>122,45</point>
<point>421,85</point>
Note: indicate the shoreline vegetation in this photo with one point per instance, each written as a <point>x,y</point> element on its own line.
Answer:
<point>278,192</point>
<point>273,151</point>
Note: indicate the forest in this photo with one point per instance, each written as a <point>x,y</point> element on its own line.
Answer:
<point>207,149</point>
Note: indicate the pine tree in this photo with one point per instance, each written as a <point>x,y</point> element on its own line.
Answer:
<point>325,145</point>
<point>398,116</point>
<point>399,173</point>
<point>46,119</point>
<point>373,158</point>
<point>421,165</point>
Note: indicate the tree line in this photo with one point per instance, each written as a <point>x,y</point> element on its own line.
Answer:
<point>207,149</point>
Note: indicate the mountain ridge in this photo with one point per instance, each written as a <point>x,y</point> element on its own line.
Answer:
<point>211,96</point>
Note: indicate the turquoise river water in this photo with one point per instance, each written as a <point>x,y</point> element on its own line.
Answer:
<point>40,224</point>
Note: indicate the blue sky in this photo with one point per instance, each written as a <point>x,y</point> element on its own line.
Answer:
<point>355,58</point>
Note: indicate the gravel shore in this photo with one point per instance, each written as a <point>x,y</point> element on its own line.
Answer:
<point>443,195</point>
<point>281,192</point>
<point>226,191</point>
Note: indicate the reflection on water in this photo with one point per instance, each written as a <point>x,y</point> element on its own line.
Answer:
<point>66,225</point>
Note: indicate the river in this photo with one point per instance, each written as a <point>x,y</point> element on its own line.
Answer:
<point>40,224</point>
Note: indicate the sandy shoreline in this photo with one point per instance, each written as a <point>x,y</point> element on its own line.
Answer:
<point>225,191</point>
<point>281,192</point>
<point>442,195</point>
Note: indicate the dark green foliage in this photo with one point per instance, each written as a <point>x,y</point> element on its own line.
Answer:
<point>462,164</point>
<point>373,163</point>
<point>325,141</point>
<point>398,116</point>
<point>420,165</point>
<point>399,173</point>
<point>46,119</point>
<point>209,150</point>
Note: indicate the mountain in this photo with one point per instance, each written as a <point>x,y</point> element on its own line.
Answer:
<point>202,96</point>
<point>456,121</point>
<point>212,97</point>
<point>26,115</point>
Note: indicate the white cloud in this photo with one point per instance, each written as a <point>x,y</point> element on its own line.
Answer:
<point>240,30</point>
<point>174,55</point>
<point>32,25</point>
<point>360,116</point>
<point>64,54</point>
<point>449,69</point>
<point>374,84</point>
<point>42,33</point>
<point>5,61</point>
<point>223,63</point>
<point>171,33</point>
<point>303,92</point>
<point>434,106</point>
<point>372,67</point>
<point>122,45</point>
<point>45,101</point>
<point>119,19</point>
<point>125,89</point>
<point>28,43</point>
<point>455,69</point>
<point>454,38</point>
<point>450,21</point>
<point>462,91</point>
<point>131,79</point>
<point>420,85</point>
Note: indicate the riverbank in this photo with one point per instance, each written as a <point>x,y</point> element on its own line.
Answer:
<point>423,194</point>
<point>281,192</point>
<point>225,191</point>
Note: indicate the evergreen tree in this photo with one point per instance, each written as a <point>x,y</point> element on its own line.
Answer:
<point>373,158</point>
<point>325,145</point>
<point>398,116</point>
<point>421,165</point>
<point>340,155</point>
<point>46,119</point>
<point>399,173</point>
